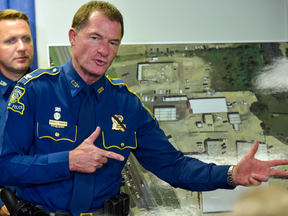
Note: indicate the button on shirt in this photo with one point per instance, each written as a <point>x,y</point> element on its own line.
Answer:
<point>42,129</point>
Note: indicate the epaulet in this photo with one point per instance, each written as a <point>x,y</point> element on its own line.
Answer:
<point>37,73</point>
<point>120,83</point>
<point>116,81</point>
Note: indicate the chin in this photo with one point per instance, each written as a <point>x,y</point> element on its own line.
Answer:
<point>22,69</point>
<point>98,73</point>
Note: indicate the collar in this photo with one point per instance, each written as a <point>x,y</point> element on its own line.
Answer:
<point>5,83</point>
<point>76,83</point>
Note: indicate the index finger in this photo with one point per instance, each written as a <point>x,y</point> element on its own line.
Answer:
<point>111,155</point>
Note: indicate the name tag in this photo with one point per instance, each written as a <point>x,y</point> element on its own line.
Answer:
<point>58,124</point>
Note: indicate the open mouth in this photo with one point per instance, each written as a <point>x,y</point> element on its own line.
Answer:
<point>100,63</point>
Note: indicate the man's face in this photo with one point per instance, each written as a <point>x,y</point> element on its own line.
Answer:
<point>95,46</point>
<point>16,48</point>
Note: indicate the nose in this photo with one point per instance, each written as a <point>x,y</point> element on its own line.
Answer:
<point>21,45</point>
<point>103,48</point>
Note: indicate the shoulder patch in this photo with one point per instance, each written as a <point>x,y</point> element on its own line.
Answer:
<point>37,73</point>
<point>14,103</point>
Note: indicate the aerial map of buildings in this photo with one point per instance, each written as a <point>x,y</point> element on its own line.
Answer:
<point>212,101</point>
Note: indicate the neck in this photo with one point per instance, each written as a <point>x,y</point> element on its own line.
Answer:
<point>12,75</point>
<point>88,78</point>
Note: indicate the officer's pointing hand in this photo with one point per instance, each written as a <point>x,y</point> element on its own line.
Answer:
<point>87,157</point>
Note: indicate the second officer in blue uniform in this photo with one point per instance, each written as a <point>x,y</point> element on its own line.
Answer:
<point>16,48</point>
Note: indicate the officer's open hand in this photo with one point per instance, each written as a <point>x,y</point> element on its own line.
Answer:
<point>87,157</point>
<point>252,172</point>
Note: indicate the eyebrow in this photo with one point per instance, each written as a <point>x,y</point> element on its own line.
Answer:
<point>96,35</point>
<point>16,36</point>
<point>99,35</point>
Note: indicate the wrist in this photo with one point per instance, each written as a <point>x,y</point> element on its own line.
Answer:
<point>71,164</point>
<point>230,176</point>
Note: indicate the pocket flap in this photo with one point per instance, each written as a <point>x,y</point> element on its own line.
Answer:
<point>68,133</point>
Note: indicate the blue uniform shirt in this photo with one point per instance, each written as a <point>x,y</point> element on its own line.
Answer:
<point>6,87</point>
<point>42,129</point>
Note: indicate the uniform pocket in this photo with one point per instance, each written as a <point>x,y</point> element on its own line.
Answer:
<point>67,133</point>
<point>120,143</point>
<point>119,140</point>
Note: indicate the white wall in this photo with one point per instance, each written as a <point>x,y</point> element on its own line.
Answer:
<point>167,21</point>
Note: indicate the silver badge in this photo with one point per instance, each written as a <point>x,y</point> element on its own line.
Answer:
<point>57,115</point>
<point>28,76</point>
<point>3,83</point>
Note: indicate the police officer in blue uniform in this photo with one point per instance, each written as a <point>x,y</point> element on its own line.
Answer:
<point>41,153</point>
<point>16,48</point>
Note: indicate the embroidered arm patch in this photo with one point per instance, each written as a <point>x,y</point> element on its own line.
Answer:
<point>14,103</point>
